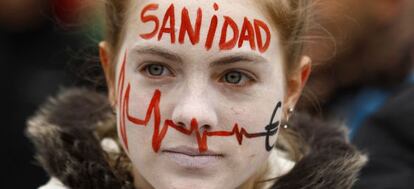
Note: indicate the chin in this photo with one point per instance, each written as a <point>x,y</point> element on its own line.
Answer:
<point>198,184</point>
<point>175,182</point>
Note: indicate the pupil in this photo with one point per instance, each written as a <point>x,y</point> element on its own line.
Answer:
<point>233,77</point>
<point>156,70</point>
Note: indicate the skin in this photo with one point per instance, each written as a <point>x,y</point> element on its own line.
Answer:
<point>193,85</point>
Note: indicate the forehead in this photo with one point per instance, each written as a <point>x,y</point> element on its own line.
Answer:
<point>234,8</point>
<point>215,26</point>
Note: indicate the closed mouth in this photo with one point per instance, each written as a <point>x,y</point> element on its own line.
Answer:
<point>193,153</point>
<point>192,158</point>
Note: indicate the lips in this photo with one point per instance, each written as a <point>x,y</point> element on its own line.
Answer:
<point>191,151</point>
<point>192,158</point>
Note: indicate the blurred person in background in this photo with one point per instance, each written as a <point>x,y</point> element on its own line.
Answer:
<point>364,77</point>
<point>38,39</point>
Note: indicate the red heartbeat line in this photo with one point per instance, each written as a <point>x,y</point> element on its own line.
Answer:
<point>159,133</point>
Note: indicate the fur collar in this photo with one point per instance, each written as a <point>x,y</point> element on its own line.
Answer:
<point>67,130</point>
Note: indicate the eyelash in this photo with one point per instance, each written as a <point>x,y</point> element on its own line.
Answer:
<point>247,78</point>
<point>145,70</point>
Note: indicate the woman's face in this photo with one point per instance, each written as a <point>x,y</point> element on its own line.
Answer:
<point>199,88</point>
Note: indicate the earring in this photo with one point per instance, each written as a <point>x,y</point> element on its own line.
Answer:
<point>290,112</point>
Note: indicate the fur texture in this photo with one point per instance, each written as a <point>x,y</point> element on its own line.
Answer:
<point>67,130</point>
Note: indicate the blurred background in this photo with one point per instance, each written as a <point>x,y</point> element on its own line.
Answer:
<point>45,45</point>
<point>363,58</point>
<point>363,76</point>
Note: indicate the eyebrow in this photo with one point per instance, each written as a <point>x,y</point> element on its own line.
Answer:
<point>158,51</point>
<point>239,57</point>
<point>230,59</point>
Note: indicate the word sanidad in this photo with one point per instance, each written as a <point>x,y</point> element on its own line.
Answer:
<point>252,32</point>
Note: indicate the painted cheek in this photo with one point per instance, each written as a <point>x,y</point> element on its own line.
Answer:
<point>160,131</point>
<point>121,124</point>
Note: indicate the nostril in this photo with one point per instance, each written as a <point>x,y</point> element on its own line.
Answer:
<point>202,128</point>
<point>205,128</point>
<point>180,124</point>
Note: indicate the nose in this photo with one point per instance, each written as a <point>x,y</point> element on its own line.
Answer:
<point>195,110</point>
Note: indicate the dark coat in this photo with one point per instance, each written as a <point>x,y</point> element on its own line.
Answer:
<point>66,132</point>
<point>388,137</point>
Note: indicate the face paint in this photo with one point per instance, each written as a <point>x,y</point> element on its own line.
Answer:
<point>121,122</point>
<point>212,29</point>
<point>192,33</point>
<point>251,32</point>
<point>203,76</point>
<point>159,133</point>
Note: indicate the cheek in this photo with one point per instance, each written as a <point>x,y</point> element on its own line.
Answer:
<point>250,158</point>
<point>135,99</point>
<point>254,116</point>
<point>139,145</point>
<point>139,137</point>
<point>255,113</point>
<point>135,135</point>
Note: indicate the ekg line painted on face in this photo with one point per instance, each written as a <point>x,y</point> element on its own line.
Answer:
<point>159,132</point>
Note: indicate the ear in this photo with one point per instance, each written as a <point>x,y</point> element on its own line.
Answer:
<point>295,83</point>
<point>105,56</point>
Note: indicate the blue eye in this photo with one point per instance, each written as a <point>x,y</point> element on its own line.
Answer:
<point>156,70</point>
<point>233,77</point>
<point>237,78</point>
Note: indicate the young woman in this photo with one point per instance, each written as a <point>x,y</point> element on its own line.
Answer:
<point>200,93</point>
